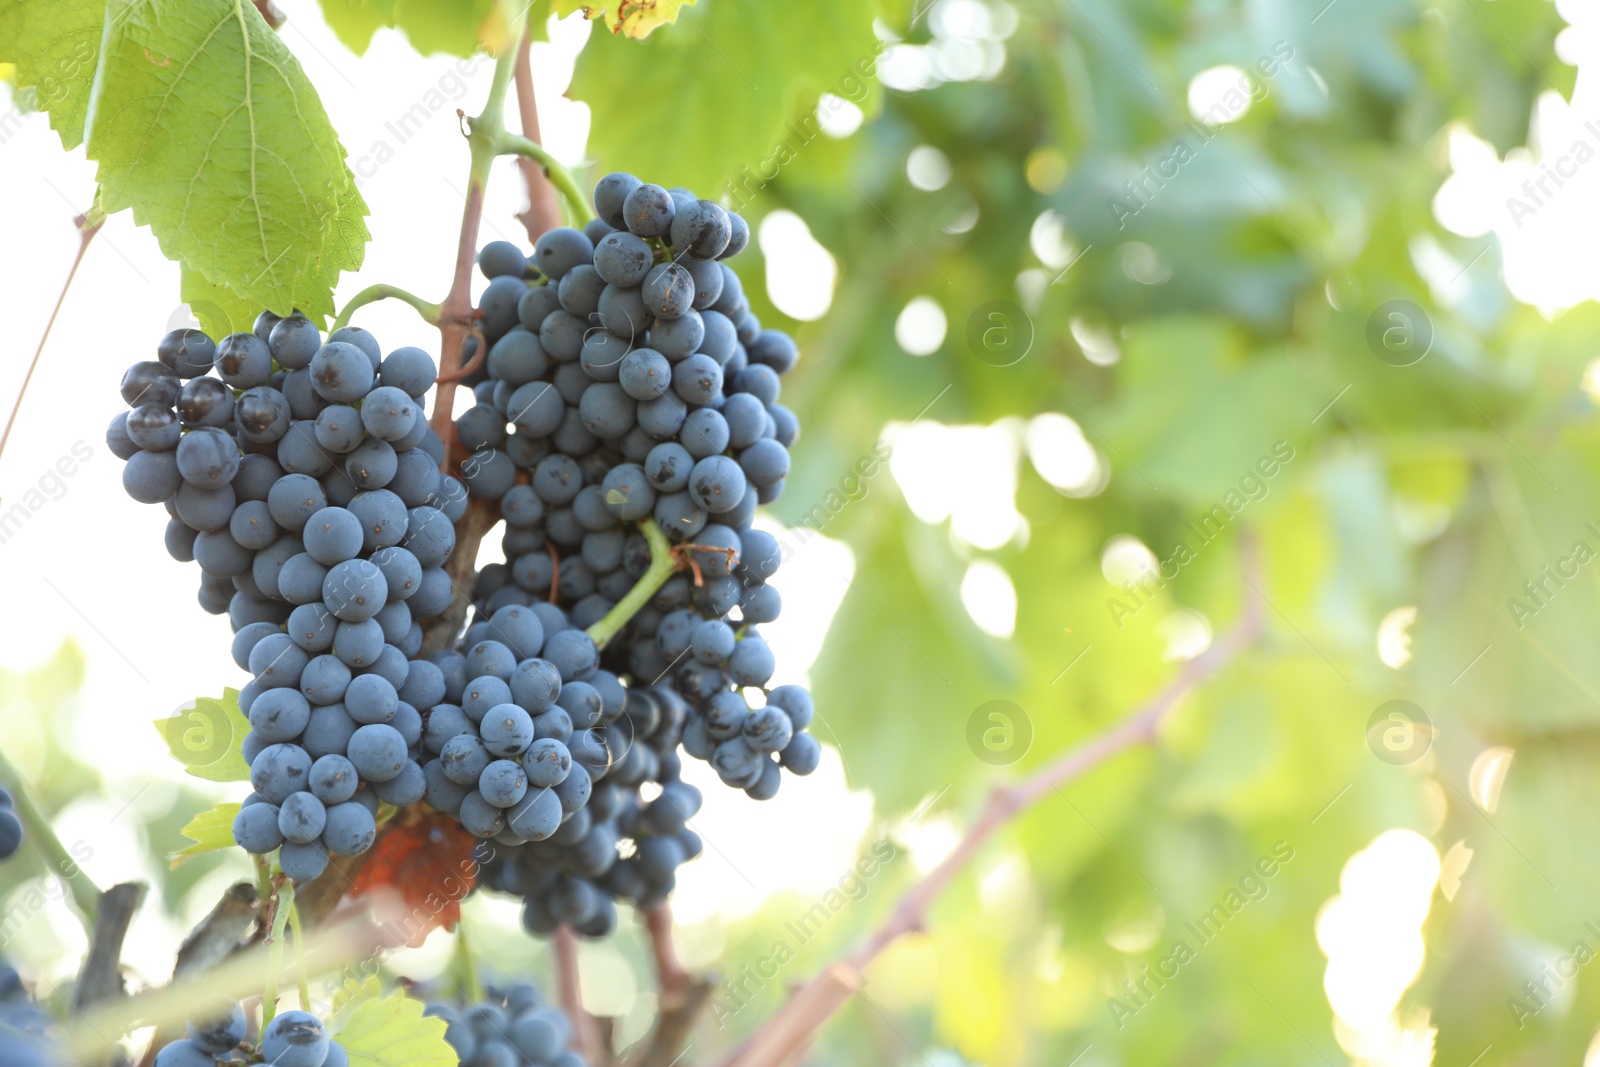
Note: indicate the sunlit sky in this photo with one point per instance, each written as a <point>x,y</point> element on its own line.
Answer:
<point>89,564</point>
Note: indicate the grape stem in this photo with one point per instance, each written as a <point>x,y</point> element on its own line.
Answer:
<point>85,894</point>
<point>373,293</point>
<point>663,564</point>
<point>815,1002</point>
<point>283,905</point>
<point>304,980</point>
<point>511,144</point>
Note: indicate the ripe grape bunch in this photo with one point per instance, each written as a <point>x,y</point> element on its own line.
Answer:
<point>513,1029</point>
<point>627,425</point>
<point>627,382</point>
<point>290,1039</point>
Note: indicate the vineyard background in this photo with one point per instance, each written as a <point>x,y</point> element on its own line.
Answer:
<point>980,511</point>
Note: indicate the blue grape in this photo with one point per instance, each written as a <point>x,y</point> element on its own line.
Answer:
<point>610,196</point>
<point>622,259</point>
<point>502,783</point>
<point>219,1032</point>
<point>716,484</point>
<point>765,463</point>
<point>279,715</point>
<point>301,818</point>
<point>255,828</point>
<point>409,369</point>
<point>702,229</point>
<point>294,341</point>
<point>207,458</point>
<point>243,360</point>
<point>333,779</point>
<point>644,374</point>
<point>378,752</point>
<point>560,250</point>
<point>332,536</point>
<point>279,771</point>
<point>648,211</point>
<point>350,829</point>
<point>341,372</point>
<point>697,379</point>
<point>188,353</point>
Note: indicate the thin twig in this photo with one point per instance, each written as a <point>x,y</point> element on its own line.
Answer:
<point>542,212</point>
<point>817,1000</point>
<point>88,225</point>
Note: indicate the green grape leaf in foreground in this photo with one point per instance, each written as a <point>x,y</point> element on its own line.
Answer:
<point>204,124</point>
<point>394,1033</point>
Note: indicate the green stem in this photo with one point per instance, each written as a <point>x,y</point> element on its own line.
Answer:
<point>263,878</point>
<point>373,293</point>
<point>85,894</point>
<point>662,566</point>
<point>466,973</point>
<point>300,957</point>
<point>511,144</point>
<point>280,919</point>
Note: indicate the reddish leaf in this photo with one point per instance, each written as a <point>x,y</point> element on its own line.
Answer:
<point>427,864</point>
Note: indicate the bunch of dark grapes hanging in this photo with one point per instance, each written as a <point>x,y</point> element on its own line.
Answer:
<point>627,414</point>
<point>628,381</point>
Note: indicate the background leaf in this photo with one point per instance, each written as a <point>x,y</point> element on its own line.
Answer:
<point>750,78</point>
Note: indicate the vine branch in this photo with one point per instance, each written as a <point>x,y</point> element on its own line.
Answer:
<point>541,213</point>
<point>815,1002</point>
<point>585,1035</point>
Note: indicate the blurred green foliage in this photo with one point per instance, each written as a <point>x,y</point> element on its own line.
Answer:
<point>1238,294</point>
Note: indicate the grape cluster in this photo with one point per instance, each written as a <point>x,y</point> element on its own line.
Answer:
<point>513,1029</point>
<point>10,827</point>
<point>303,478</point>
<point>29,1037</point>
<point>626,379</point>
<point>626,389</point>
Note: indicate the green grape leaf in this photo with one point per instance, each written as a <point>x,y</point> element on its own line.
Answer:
<point>54,47</point>
<point>204,124</point>
<point>394,1033</point>
<point>458,27</point>
<point>351,994</point>
<point>211,831</point>
<point>208,739</point>
<point>218,308</point>
<point>747,73</point>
